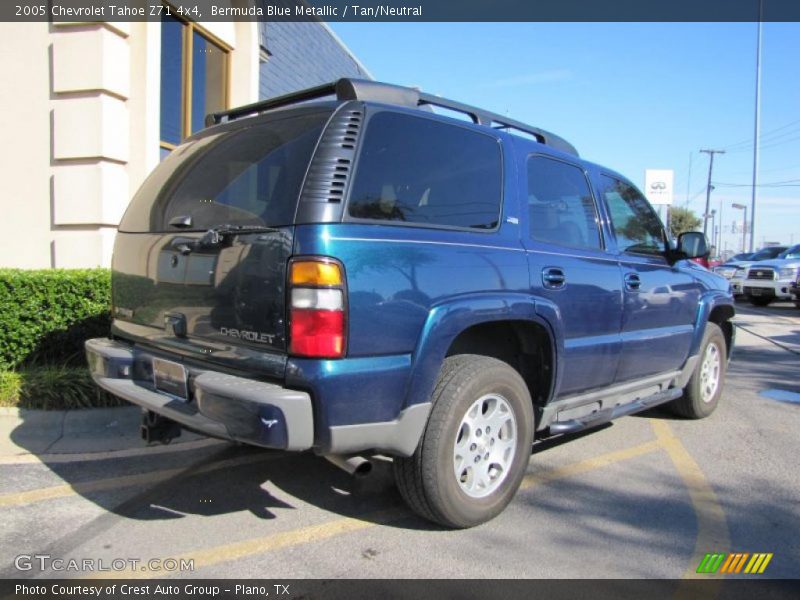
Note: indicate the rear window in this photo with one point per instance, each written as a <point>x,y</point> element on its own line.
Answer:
<point>246,176</point>
<point>417,170</point>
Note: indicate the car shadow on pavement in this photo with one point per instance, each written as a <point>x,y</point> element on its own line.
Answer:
<point>767,367</point>
<point>652,517</point>
<point>226,478</point>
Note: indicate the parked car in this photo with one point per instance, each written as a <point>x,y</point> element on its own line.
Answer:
<point>769,280</point>
<point>360,274</point>
<point>728,268</point>
<point>737,278</point>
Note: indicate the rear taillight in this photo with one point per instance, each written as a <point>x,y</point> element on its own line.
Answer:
<point>317,322</point>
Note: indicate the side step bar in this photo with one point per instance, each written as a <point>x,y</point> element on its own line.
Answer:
<point>609,414</point>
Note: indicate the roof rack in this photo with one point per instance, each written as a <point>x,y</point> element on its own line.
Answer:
<point>360,89</point>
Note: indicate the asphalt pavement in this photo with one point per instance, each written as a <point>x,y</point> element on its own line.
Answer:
<point>647,496</point>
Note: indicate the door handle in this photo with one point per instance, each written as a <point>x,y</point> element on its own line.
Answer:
<point>183,245</point>
<point>632,282</point>
<point>553,278</point>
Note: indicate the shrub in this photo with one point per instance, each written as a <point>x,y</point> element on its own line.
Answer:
<point>46,315</point>
<point>10,386</point>
<point>53,388</point>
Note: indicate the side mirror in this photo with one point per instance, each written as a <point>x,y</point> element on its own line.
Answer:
<point>693,244</point>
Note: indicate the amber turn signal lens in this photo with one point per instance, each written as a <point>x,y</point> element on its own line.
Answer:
<point>312,272</point>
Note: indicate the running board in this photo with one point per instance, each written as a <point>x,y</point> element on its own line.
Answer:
<point>609,414</point>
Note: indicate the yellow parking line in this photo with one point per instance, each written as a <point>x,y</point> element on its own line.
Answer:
<point>589,464</point>
<point>712,528</point>
<point>317,533</point>
<point>275,541</point>
<point>28,459</point>
<point>113,483</point>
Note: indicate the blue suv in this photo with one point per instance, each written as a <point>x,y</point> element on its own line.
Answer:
<point>348,270</point>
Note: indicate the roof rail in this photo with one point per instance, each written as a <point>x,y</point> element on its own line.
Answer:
<point>360,89</point>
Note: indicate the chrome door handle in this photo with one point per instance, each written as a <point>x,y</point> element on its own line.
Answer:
<point>553,278</point>
<point>632,282</point>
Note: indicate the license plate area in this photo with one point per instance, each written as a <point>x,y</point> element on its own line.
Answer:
<point>170,377</point>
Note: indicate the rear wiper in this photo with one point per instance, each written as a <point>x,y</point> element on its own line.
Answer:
<point>216,235</point>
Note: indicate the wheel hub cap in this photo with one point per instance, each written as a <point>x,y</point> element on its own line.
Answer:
<point>710,372</point>
<point>485,446</point>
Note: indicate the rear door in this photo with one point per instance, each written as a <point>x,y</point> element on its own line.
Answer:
<point>660,300</point>
<point>201,255</point>
<point>570,266</point>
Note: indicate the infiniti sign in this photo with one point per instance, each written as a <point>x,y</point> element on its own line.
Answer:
<point>658,183</point>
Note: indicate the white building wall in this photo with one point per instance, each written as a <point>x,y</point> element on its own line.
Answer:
<point>80,114</point>
<point>25,120</point>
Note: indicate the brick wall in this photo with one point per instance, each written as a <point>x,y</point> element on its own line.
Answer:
<point>303,55</point>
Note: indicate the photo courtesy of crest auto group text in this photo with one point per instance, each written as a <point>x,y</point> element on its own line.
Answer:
<point>433,300</point>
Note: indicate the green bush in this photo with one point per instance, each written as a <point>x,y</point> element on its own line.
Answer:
<point>53,388</point>
<point>10,387</point>
<point>46,315</point>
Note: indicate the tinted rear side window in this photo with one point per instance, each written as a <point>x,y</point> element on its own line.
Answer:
<point>246,176</point>
<point>417,170</point>
<point>560,204</point>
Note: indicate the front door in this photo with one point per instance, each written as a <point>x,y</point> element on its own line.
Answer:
<point>660,300</point>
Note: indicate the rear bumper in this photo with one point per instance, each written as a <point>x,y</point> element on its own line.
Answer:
<point>272,416</point>
<point>221,405</point>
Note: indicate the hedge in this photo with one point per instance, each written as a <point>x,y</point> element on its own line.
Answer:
<point>46,315</point>
<point>53,388</point>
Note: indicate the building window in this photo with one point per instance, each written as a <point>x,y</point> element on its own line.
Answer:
<point>194,80</point>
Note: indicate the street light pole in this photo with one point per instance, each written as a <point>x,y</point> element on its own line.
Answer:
<point>711,154</point>
<point>713,228</point>
<point>757,132</point>
<point>744,225</point>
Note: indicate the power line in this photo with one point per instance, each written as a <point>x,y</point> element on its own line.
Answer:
<point>770,185</point>
<point>771,143</point>
<point>763,136</point>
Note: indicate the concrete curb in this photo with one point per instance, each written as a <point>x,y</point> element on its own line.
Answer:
<point>64,432</point>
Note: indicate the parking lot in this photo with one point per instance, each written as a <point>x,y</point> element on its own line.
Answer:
<point>647,496</point>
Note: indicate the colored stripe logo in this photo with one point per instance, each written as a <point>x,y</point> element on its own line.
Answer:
<point>735,563</point>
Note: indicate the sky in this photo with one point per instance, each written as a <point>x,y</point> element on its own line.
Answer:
<point>630,96</point>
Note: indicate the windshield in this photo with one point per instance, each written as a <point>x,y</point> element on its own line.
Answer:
<point>793,252</point>
<point>247,176</point>
<point>768,253</point>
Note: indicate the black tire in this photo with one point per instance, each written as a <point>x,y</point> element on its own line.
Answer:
<point>427,480</point>
<point>698,401</point>
<point>759,301</point>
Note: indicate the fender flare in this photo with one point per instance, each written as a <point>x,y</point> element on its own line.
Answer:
<point>709,300</point>
<point>447,320</point>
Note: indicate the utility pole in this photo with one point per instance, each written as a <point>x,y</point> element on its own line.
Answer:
<point>711,154</point>
<point>689,181</point>
<point>757,132</point>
